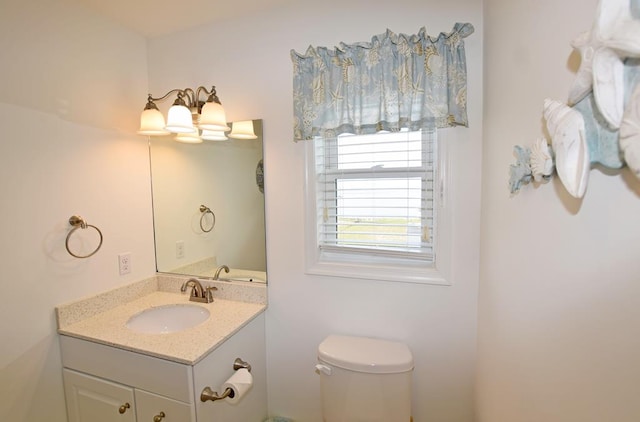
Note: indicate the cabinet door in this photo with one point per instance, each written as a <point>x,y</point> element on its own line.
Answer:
<point>91,399</point>
<point>154,408</point>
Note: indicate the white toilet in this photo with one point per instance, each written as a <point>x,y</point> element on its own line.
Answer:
<point>364,379</point>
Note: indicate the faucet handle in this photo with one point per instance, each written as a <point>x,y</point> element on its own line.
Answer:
<point>208,293</point>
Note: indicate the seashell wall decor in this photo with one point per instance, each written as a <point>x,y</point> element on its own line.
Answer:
<point>569,142</point>
<point>600,122</point>
<point>630,133</point>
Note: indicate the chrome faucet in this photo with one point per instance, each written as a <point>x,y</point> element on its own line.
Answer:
<point>216,276</point>
<point>198,293</point>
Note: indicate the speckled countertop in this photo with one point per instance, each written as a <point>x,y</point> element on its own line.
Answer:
<point>102,318</point>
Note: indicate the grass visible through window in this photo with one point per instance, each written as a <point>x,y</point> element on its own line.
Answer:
<point>379,231</point>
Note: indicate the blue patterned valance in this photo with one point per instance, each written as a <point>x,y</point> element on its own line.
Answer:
<point>394,81</point>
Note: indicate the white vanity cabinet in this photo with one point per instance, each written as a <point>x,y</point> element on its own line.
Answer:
<point>104,383</point>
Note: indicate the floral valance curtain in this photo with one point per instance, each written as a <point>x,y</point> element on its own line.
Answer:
<point>395,81</point>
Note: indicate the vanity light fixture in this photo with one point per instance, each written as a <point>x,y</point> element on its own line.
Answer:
<point>243,130</point>
<point>189,138</point>
<point>213,135</point>
<point>186,117</point>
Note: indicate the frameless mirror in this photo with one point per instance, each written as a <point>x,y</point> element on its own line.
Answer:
<point>208,207</point>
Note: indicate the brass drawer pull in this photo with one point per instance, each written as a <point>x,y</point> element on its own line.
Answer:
<point>158,417</point>
<point>124,408</point>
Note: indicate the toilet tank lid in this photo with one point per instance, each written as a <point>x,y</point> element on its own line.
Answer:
<point>363,354</point>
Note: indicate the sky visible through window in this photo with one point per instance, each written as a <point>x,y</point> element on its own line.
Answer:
<point>378,196</point>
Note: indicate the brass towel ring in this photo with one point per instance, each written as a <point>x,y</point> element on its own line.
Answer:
<point>78,223</point>
<point>206,210</point>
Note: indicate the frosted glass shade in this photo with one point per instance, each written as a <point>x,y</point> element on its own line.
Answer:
<point>152,123</point>
<point>213,135</point>
<point>243,130</point>
<point>189,138</point>
<point>212,117</point>
<point>179,120</point>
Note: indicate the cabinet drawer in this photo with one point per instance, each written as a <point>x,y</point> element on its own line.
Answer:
<point>161,376</point>
<point>151,407</point>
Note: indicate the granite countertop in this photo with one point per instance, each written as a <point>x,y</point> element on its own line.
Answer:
<point>102,318</point>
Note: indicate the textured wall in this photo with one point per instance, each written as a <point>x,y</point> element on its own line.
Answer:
<point>71,88</point>
<point>559,316</point>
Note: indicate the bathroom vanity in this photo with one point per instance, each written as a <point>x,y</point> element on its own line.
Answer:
<point>113,373</point>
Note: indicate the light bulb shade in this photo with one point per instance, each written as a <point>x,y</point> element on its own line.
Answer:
<point>243,130</point>
<point>214,135</point>
<point>179,120</point>
<point>212,117</point>
<point>189,138</point>
<point>152,123</point>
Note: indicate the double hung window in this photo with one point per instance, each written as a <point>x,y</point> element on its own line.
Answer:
<point>373,206</point>
<point>376,205</point>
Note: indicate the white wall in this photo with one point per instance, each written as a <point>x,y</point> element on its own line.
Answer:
<point>559,317</point>
<point>249,63</point>
<point>71,88</point>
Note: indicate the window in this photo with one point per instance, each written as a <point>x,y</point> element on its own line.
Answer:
<point>374,207</point>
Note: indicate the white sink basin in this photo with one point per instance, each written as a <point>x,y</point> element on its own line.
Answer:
<point>168,318</point>
<point>245,279</point>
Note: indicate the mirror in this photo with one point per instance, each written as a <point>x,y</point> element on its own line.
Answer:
<point>208,207</point>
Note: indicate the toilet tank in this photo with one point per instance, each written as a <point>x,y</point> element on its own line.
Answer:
<point>364,379</point>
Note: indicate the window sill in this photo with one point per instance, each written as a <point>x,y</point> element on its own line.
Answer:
<point>409,273</point>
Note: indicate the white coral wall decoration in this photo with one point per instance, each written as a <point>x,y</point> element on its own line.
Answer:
<point>521,170</point>
<point>601,121</point>
<point>533,164</point>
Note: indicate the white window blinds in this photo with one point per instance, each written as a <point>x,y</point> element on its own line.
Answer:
<point>375,194</point>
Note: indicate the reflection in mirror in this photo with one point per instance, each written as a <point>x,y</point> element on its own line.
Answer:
<point>208,207</point>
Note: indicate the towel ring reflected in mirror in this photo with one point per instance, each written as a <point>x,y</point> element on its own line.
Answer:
<point>206,210</point>
<point>78,223</point>
<point>260,176</point>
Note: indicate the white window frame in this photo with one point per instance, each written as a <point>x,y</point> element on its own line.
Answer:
<point>373,267</point>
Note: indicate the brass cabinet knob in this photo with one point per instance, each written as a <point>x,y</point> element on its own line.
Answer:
<point>124,408</point>
<point>158,417</point>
